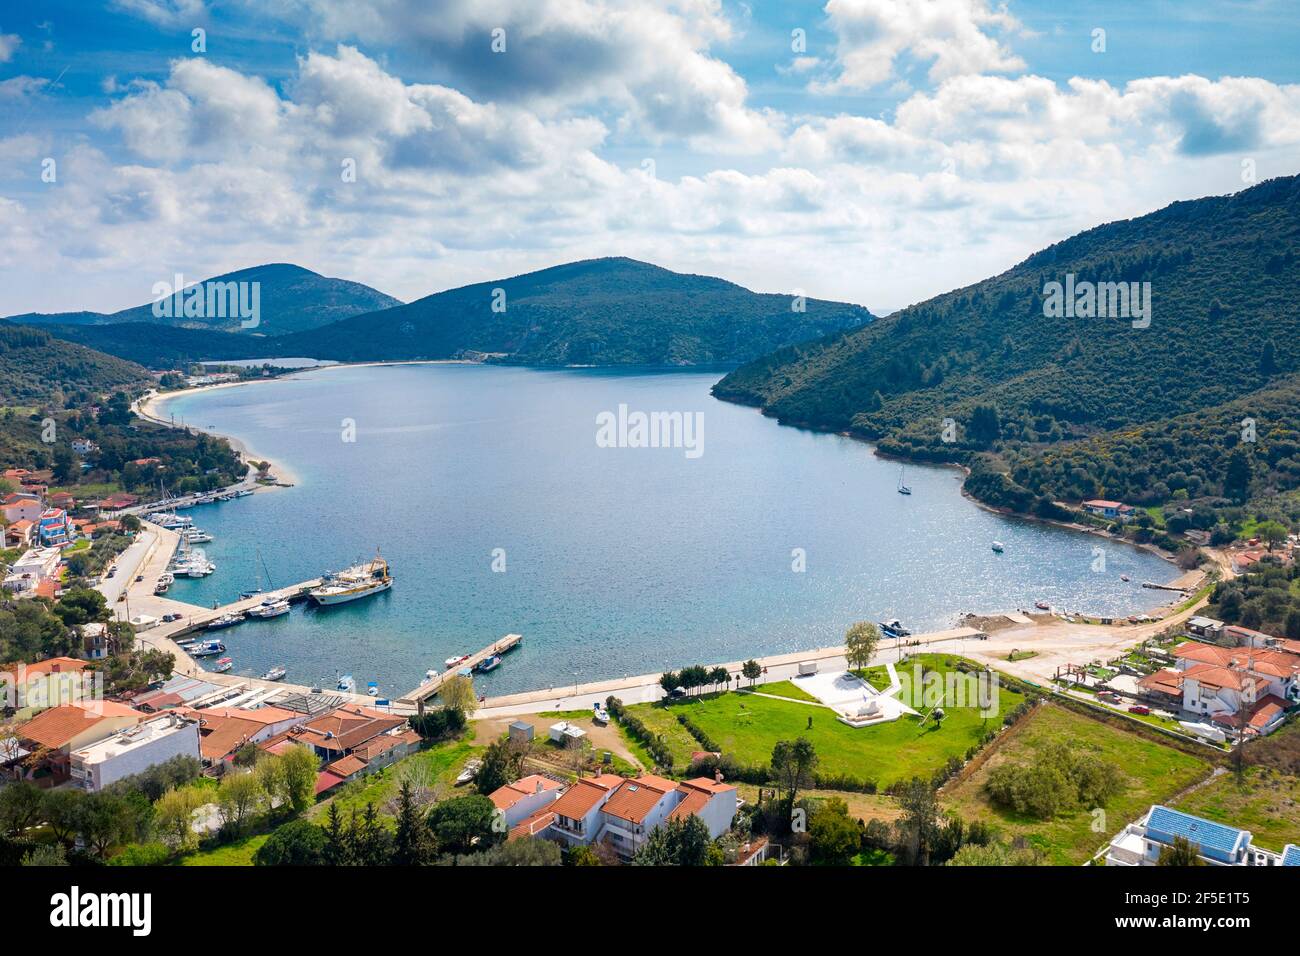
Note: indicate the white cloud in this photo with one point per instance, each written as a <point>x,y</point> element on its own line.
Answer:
<point>164,13</point>
<point>9,42</point>
<point>952,35</point>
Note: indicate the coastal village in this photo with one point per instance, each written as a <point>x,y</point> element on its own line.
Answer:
<point>842,754</point>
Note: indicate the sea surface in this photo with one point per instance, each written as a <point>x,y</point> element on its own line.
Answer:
<point>617,560</point>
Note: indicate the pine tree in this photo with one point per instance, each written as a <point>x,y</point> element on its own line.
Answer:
<point>413,843</point>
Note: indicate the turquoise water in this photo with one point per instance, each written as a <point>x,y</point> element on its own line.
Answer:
<point>617,560</point>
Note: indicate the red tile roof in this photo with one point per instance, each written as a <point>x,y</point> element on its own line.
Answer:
<point>507,796</point>
<point>585,794</point>
<point>634,800</point>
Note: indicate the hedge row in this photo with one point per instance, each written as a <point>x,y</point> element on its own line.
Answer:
<point>640,732</point>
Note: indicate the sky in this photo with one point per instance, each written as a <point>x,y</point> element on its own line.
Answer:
<point>872,151</point>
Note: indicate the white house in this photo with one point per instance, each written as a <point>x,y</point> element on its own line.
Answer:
<point>525,798</point>
<point>1115,510</point>
<point>1140,843</point>
<point>134,750</point>
<point>622,813</point>
<point>33,567</point>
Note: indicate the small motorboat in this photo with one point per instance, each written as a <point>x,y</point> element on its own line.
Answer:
<point>1125,577</point>
<point>226,620</point>
<point>275,673</point>
<point>270,607</point>
<point>1042,605</point>
<point>224,665</point>
<point>490,664</point>
<point>894,629</point>
<point>469,773</point>
<point>372,689</point>
<point>455,661</point>
<point>430,674</point>
<point>346,684</point>
<point>208,649</point>
<point>998,547</point>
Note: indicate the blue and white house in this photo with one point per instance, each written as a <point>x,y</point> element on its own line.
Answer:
<point>1140,843</point>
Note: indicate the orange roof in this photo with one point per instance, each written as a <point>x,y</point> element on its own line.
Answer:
<point>57,726</point>
<point>260,715</point>
<point>585,794</point>
<point>54,665</point>
<point>507,796</point>
<point>346,766</point>
<point>1212,675</point>
<point>533,824</point>
<point>1163,682</point>
<point>222,736</point>
<point>707,784</point>
<point>634,800</point>
<point>693,802</point>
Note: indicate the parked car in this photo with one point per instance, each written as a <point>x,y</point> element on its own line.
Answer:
<point>1140,709</point>
<point>677,692</point>
<point>139,577</point>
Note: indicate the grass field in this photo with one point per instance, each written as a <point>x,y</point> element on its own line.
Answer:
<point>438,766</point>
<point>238,853</point>
<point>784,688</point>
<point>660,721</point>
<point>1265,802</point>
<point>746,727</point>
<point>1153,774</point>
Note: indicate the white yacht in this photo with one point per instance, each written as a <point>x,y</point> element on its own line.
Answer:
<point>358,581</point>
<point>196,536</point>
<point>273,606</point>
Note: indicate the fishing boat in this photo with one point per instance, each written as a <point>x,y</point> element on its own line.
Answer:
<point>346,684</point>
<point>224,665</point>
<point>372,688</point>
<point>998,547</point>
<point>490,664</point>
<point>208,649</point>
<point>1042,605</point>
<point>456,661</point>
<point>270,607</point>
<point>358,581</point>
<point>196,535</point>
<point>275,673</point>
<point>894,628</point>
<point>229,619</point>
<point>1125,577</point>
<point>902,488</point>
<point>243,492</point>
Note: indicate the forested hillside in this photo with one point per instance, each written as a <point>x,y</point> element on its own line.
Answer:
<point>1078,406</point>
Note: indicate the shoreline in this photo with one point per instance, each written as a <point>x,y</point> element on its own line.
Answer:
<point>151,408</point>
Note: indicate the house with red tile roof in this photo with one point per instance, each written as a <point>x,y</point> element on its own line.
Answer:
<point>68,727</point>
<point>19,534</point>
<point>526,797</point>
<point>21,507</point>
<point>1114,510</point>
<point>1244,686</point>
<point>623,814</point>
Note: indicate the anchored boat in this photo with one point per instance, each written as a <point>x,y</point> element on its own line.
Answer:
<point>275,673</point>
<point>358,581</point>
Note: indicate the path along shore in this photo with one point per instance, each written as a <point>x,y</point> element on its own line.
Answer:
<point>1055,642</point>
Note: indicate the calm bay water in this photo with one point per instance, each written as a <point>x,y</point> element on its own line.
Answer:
<point>618,560</point>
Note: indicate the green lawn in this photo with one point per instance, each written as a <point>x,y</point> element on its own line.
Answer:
<point>239,853</point>
<point>746,727</point>
<point>784,688</point>
<point>1153,774</point>
<point>659,720</point>
<point>439,764</point>
<point>1265,803</point>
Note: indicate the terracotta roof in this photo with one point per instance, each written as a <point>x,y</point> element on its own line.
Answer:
<point>507,796</point>
<point>259,715</point>
<point>693,802</point>
<point>533,824</point>
<point>53,665</point>
<point>349,727</point>
<point>1163,682</point>
<point>634,800</point>
<point>327,781</point>
<point>1211,675</point>
<point>57,726</point>
<point>221,736</point>
<point>585,794</point>
<point>346,766</point>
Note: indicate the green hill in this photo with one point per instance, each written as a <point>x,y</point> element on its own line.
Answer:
<point>167,347</point>
<point>1021,387</point>
<point>594,312</point>
<point>291,299</point>
<point>38,369</point>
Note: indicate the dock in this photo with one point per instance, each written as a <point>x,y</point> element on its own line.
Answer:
<point>431,686</point>
<point>199,620</point>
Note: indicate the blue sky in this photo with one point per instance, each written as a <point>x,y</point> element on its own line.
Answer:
<point>911,147</point>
